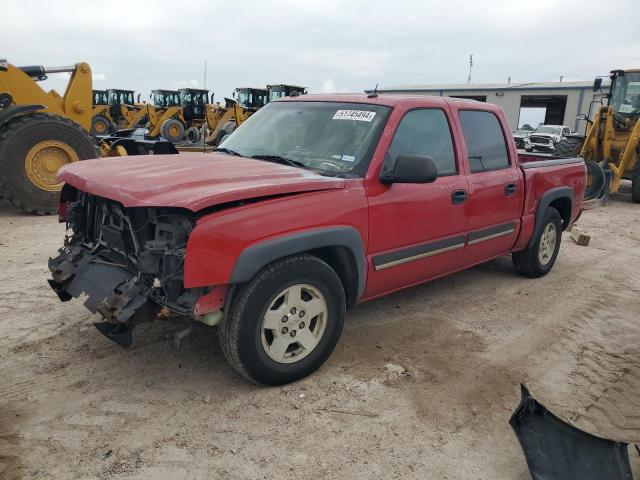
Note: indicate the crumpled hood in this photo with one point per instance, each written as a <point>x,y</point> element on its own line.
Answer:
<point>189,180</point>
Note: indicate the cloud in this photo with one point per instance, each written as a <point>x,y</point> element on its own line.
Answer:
<point>324,45</point>
<point>327,86</point>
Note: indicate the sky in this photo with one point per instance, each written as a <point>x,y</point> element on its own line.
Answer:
<point>325,45</point>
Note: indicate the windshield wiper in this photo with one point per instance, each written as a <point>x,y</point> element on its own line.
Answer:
<point>280,159</point>
<point>229,151</point>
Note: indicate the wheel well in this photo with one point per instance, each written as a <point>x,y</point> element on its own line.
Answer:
<point>563,205</point>
<point>342,261</point>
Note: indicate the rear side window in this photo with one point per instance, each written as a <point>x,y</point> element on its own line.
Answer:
<point>425,132</point>
<point>485,142</point>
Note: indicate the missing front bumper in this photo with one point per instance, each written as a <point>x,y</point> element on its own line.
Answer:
<point>114,292</point>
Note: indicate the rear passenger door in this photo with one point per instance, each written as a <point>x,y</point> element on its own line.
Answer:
<point>495,185</point>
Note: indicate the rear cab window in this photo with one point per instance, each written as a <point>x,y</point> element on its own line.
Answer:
<point>486,144</point>
<point>425,131</point>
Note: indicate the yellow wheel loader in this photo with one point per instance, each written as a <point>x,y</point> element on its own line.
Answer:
<point>41,131</point>
<point>611,144</point>
<point>114,109</point>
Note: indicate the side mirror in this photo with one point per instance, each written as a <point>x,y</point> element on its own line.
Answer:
<point>597,84</point>
<point>233,94</point>
<point>409,169</point>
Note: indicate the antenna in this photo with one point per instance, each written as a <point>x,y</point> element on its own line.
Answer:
<point>470,67</point>
<point>373,94</point>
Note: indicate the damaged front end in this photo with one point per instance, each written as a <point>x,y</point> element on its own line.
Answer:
<point>127,262</point>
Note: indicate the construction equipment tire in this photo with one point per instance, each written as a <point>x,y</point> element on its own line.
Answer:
<point>635,183</point>
<point>100,125</point>
<point>172,130</point>
<point>595,180</point>
<point>193,135</point>
<point>32,150</point>
<point>568,147</point>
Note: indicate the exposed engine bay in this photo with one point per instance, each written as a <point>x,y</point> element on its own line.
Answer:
<point>125,261</point>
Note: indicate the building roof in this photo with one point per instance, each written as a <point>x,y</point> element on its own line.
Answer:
<point>481,87</point>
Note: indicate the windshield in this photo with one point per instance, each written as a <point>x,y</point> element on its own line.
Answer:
<point>331,138</point>
<point>119,97</point>
<point>549,129</point>
<point>99,97</point>
<point>625,97</point>
<point>165,99</point>
<point>276,94</point>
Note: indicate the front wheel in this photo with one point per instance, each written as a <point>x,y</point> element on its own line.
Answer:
<point>285,322</point>
<point>538,258</point>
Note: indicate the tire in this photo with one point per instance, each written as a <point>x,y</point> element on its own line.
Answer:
<point>569,147</point>
<point>172,130</point>
<point>635,183</point>
<point>528,262</point>
<point>24,180</point>
<point>244,340</point>
<point>597,179</point>
<point>193,135</point>
<point>100,125</point>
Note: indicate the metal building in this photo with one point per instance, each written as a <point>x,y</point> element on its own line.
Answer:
<point>563,100</point>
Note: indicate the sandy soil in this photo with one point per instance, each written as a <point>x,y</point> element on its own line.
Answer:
<point>421,385</point>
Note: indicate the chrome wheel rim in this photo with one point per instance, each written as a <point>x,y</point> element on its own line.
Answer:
<point>547,244</point>
<point>294,323</point>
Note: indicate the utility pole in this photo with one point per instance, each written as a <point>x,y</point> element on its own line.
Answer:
<point>470,66</point>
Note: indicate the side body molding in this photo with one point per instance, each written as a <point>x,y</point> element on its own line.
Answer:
<point>257,256</point>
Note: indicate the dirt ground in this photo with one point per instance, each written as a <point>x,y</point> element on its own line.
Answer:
<point>421,385</point>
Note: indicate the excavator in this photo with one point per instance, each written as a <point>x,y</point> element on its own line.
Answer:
<point>611,143</point>
<point>41,131</point>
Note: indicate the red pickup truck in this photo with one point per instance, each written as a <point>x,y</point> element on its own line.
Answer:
<point>316,203</point>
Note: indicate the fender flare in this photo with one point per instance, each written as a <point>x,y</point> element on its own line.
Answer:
<point>257,256</point>
<point>547,198</point>
<point>10,113</point>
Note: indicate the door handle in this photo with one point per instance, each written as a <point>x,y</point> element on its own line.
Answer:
<point>510,189</point>
<point>458,197</point>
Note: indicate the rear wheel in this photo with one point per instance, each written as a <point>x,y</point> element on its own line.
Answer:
<point>285,322</point>
<point>541,253</point>
<point>172,130</point>
<point>100,125</point>
<point>32,150</point>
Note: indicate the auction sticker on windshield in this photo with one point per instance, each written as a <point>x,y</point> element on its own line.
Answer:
<point>360,115</point>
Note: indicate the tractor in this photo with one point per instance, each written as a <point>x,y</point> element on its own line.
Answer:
<point>41,131</point>
<point>611,143</point>
<point>115,109</point>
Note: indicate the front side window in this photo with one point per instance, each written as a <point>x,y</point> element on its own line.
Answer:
<point>426,132</point>
<point>333,138</point>
<point>486,146</point>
